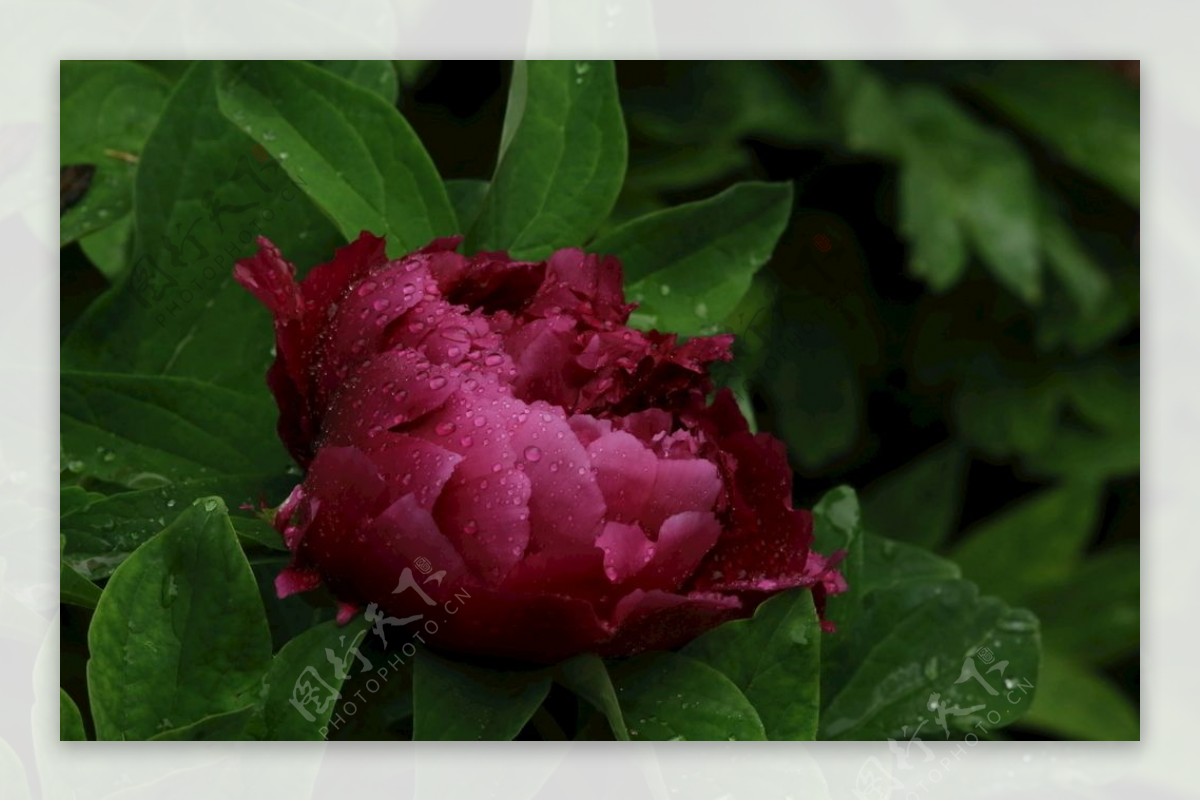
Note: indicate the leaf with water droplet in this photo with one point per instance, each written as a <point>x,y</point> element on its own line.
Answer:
<point>179,632</point>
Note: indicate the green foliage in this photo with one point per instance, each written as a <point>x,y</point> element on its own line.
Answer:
<point>561,162</point>
<point>986,397</point>
<point>179,634</point>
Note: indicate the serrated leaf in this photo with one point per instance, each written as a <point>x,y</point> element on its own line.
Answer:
<point>689,266</point>
<point>203,191</point>
<point>179,634</point>
<point>919,502</point>
<point>303,685</point>
<point>107,110</point>
<point>669,696</point>
<point>455,701</point>
<point>774,658</point>
<point>374,76</point>
<point>587,676</point>
<point>562,159</point>
<point>147,431</point>
<point>1032,544</point>
<point>70,722</point>
<point>352,153</point>
<point>1089,115</point>
<point>1076,702</point>
<point>102,534</point>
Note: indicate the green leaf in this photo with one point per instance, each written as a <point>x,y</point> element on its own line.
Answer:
<point>919,502</point>
<point>689,266</point>
<point>203,191</point>
<point>222,726</point>
<point>1075,702</point>
<point>303,685</point>
<point>454,701</point>
<point>587,677</point>
<point>352,153</point>
<point>774,658</point>
<point>986,178</point>
<point>929,210</point>
<point>1033,544</point>
<point>146,431</point>
<point>76,589</point>
<point>466,196</point>
<point>669,696</point>
<point>906,630</point>
<point>1088,114</point>
<point>107,110</point>
<point>102,534</point>
<point>70,722</point>
<point>837,526</point>
<point>913,651</point>
<point>110,248</point>
<point>1094,615</point>
<point>179,634</point>
<point>562,159</point>
<point>374,76</point>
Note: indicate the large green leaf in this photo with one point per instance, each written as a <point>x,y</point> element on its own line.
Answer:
<point>919,502</point>
<point>689,266</point>
<point>1076,702</point>
<point>562,159</point>
<point>375,76</point>
<point>1033,544</point>
<point>203,191</point>
<point>146,431</point>
<point>924,654</point>
<point>352,153</point>
<point>908,631</point>
<point>102,534</point>
<point>107,110</point>
<point>303,686</point>
<point>454,701</point>
<point>70,722</point>
<point>179,634</point>
<point>775,660</point>
<point>587,676</point>
<point>669,696</point>
<point>1087,113</point>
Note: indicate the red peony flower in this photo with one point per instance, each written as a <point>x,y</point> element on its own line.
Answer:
<point>497,421</point>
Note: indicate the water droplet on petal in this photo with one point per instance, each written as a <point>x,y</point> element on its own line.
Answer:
<point>444,429</point>
<point>533,453</point>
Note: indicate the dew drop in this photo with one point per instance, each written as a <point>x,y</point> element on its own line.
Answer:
<point>444,429</point>
<point>533,453</point>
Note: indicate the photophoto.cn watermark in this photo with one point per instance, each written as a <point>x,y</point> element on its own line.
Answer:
<point>314,697</point>
<point>915,767</point>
